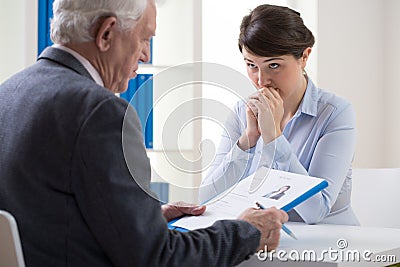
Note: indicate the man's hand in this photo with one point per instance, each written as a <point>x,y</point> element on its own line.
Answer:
<point>177,209</point>
<point>268,222</point>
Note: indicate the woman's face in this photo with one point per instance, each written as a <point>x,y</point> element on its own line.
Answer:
<point>283,73</point>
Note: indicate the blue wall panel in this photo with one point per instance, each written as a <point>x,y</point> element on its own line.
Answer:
<point>45,12</point>
<point>140,96</point>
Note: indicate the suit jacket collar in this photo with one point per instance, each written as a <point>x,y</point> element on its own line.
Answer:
<point>66,59</point>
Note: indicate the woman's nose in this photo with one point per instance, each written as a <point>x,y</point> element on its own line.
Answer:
<point>263,79</point>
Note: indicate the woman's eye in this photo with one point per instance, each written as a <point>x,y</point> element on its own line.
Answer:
<point>251,65</point>
<point>273,66</point>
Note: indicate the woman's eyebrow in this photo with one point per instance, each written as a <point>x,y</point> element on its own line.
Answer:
<point>267,60</point>
<point>274,58</point>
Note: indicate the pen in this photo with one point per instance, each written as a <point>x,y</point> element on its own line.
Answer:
<point>284,228</point>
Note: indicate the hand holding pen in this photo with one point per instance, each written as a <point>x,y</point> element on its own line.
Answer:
<point>268,222</point>
<point>284,228</point>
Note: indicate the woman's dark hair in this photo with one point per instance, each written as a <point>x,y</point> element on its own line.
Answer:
<point>274,31</point>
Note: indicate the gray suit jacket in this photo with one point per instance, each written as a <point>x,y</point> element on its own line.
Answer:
<point>64,177</point>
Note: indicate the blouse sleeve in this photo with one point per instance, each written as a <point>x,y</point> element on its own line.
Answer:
<point>331,159</point>
<point>231,164</point>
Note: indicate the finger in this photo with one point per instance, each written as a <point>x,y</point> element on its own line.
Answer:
<point>258,95</point>
<point>284,216</point>
<point>275,97</point>
<point>267,99</point>
<point>270,94</point>
<point>261,105</point>
<point>275,93</point>
<point>191,209</point>
<point>278,213</point>
<point>255,97</point>
<point>199,210</point>
<point>270,90</point>
<point>251,102</point>
<point>252,107</point>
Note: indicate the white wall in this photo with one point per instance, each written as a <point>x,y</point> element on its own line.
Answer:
<point>358,58</point>
<point>18,46</point>
<point>174,157</point>
<point>391,83</point>
<point>368,194</point>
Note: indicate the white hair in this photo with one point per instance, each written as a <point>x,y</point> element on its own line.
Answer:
<point>73,19</point>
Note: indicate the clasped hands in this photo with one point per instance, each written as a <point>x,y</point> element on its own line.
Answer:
<point>268,222</point>
<point>264,114</point>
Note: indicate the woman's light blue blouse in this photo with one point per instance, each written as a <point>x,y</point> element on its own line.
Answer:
<point>318,141</point>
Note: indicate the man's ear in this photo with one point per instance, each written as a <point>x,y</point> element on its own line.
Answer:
<point>105,33</point>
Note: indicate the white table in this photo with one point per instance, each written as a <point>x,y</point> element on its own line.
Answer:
<point>332,245</point>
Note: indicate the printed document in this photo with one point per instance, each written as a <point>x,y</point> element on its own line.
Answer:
<point>272,188</point>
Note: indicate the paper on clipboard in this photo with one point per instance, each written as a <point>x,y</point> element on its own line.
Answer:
<point>280,189</point>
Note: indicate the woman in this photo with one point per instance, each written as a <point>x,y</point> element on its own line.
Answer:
<point>288,124</point>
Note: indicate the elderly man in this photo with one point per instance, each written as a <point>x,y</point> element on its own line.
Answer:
<point>63,173</point>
